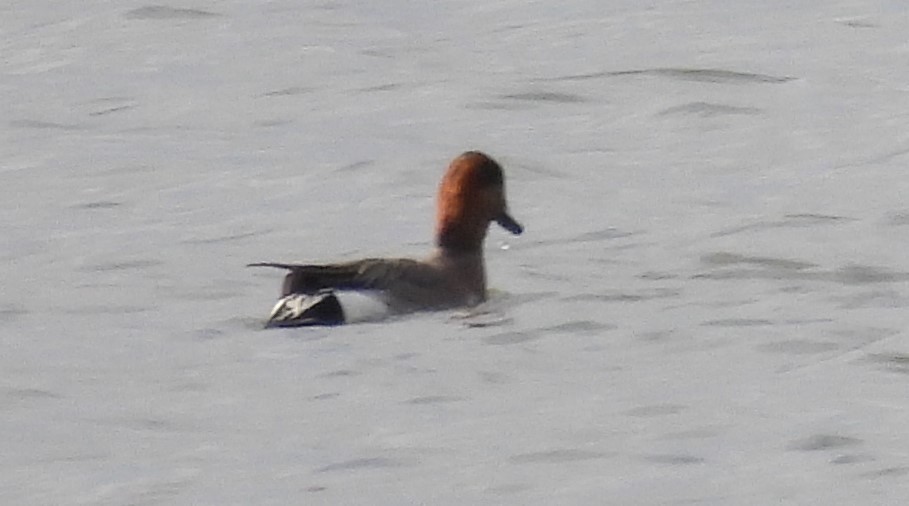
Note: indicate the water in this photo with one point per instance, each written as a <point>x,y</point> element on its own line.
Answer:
<point>708,304</point>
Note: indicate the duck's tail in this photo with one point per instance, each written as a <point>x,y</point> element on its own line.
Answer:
<point>303,310</point>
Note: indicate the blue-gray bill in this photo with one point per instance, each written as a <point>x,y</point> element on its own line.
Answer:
<point>509,224</point>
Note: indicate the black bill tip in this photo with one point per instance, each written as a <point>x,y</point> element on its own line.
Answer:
<point>509,224</point>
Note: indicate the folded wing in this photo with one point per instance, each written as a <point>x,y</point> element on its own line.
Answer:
<point>369,274</point>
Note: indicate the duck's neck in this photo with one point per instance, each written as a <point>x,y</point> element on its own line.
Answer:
<point>461,238</point>
<point>469,266</point>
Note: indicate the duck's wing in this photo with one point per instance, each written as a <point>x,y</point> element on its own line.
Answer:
<point>368,274</point>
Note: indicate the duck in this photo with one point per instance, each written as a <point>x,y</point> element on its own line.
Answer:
<point>470,197</point>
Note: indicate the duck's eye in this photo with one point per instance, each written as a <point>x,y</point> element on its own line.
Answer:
<point>491,175</point>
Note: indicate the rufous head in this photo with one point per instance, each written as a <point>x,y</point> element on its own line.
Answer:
<point>471,195</point>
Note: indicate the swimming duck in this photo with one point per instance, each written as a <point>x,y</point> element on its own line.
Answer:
<point>471,195</point>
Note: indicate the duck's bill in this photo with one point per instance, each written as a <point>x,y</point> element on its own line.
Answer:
<point>509,224</point>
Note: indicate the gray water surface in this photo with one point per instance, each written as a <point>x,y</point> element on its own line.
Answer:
<point>708,305</point>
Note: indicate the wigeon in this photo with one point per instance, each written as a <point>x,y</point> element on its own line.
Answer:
<point>471,195</point>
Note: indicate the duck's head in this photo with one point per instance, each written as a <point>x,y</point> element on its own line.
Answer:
<point>471,195</point>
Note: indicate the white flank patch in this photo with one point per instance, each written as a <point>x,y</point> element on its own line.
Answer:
<point>362,307</point>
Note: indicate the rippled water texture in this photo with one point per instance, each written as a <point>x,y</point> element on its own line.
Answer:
<point>708,306</point>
